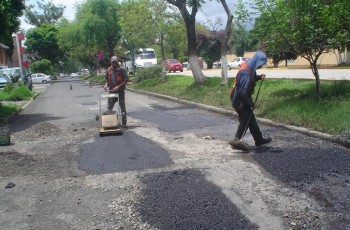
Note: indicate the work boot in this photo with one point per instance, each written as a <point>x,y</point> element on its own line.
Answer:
<point>263,141</point>
<point>124,120</point>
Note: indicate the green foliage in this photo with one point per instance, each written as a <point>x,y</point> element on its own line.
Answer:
<point>209,46</point>
<point>19,93</point>
<point>10,12</point>
<point>6,110</point>
<point>98,24</point>
<point>95,29</point>
<point>288,101</point>
<point>42,66</point>
<point>304,28</point>
<point>8,88</point>
<point>240,42</point>
<point>132,15</point>
<point>146,73</point>
<point>42,43</point>
<point>46,13</point>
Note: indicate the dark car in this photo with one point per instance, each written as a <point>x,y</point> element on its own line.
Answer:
<point>173,65</point>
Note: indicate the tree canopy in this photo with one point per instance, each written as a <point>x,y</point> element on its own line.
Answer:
<point>10,12</point>
<point>42,43</point>
<point>305,28</point>
<point>43,13</point>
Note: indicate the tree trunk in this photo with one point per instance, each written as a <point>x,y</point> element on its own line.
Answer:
<point>314,69</point>
<point>224,68</point>
<point>190,22</point>
<point>162,46</point>
<point>224,75</point>
<point>163,74</point>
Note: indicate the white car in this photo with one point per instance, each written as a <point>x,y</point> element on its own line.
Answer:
<point>74,75</point>
<point>237,62</point>
<point>40,78</point>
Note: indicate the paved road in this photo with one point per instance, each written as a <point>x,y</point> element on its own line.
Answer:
<point>326,74</point>
<point>171,169</point>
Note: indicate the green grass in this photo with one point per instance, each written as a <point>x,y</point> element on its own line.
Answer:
<point>19,93</point>
<point>6,110</point>
<point>10,93</point>
<point>289,101</point>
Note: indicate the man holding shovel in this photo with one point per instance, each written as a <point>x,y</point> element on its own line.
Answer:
<point>243,103</point>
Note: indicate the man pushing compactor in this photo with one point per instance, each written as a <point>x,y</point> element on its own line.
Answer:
<point>116,79</point>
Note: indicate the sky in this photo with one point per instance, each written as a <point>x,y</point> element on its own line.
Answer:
<point>210,10</point>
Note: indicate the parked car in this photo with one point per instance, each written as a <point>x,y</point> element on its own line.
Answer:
<point>17,74</point>
<point>3,81</point>
<point>74,75</point>
<point>173,65</point>
<point>40,78</point>
<point>237,62</point>
<point>217,64</point>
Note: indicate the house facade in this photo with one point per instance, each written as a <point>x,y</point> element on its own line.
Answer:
<point>3,56</point>
<point>327,59</point>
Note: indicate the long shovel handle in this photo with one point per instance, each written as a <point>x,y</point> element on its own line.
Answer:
<point>251,113</point>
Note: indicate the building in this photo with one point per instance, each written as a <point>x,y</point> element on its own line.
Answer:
<point>19,58</point>
<point>3,56</point>
<point>327,59</point>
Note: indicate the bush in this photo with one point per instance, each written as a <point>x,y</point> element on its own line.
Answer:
<point>6,110</point>
<point>42,66</point>
<point>19,93</point>
<point>146,73</point>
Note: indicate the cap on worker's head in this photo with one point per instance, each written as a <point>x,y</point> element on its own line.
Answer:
<point>114,58</point>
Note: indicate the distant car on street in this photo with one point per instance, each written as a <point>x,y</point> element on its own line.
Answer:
<point>40,78</point>
<point>237,62</point>
<point>74,75</point>
<point>173,65</point>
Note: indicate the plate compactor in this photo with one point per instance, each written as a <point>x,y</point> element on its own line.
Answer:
<point>110,121</point>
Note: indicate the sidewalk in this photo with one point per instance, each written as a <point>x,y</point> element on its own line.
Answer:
<point>22,104</point>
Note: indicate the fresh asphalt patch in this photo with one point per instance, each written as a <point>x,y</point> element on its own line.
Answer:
<point>113,153</point>
<point>304,165</point>
<point>174,199</point>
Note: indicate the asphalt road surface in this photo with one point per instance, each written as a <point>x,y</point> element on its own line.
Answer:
<point>171,169</point>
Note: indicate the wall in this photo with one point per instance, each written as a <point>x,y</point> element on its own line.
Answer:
<point>327,59</point>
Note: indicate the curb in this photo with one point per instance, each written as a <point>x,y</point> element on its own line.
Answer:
<point>12,116</point>
<point>324,136</point>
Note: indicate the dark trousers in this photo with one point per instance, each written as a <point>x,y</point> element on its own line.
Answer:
<point>243,117</point>
<point>113,100</point>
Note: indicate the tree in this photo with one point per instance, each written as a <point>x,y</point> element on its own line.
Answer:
<point>190,22</point>
<point>42,43</point>
<point>48,13</point>
<point>307,28</point>
<point>224,42</point>
<point>98,24</point>
<point>71,41</point>
<point>175,39</point>
<point>94,30</point>
<point>42,66</point>
<point>139,26</point>
<point>209,46</point>
<point>10,12</point>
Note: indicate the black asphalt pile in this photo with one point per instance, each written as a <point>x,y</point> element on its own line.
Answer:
<point>184,199</point>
